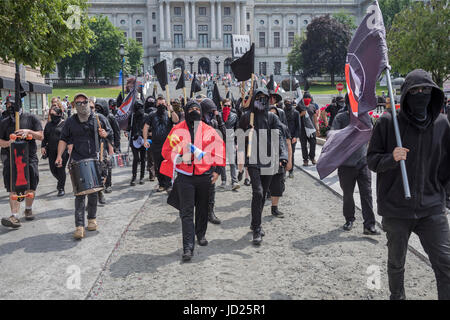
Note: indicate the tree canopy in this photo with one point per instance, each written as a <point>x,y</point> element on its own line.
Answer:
<point>390,8</point>
<point>419,38</point>
<point>135,53</point>
<point>39,33</point>
<point>346,19</point>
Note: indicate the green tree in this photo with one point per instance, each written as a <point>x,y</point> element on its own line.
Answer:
<point>346,19</point>
<point>294,58</point>
<point>134,53</point>
<point>39,33</point>
<point>390,8</point>
<point>419,38</point>
<point>325,49</point>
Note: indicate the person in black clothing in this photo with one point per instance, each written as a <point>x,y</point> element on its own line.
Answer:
<point>49,147</point>
<point>101,107</point>
<point>159,123</point>
<point>261,172</point>
<point>135,127</point>
<point>230,120</point>
<point>210,116</point>
<point>29,124</point>
<point>333,109</point>
<point>425,136</point>
<point>307,105</point>
<point>79,131</point>
<point>112,103</point>
<point>293,118</point>
<point>149,107</point>
<point>354,170</point>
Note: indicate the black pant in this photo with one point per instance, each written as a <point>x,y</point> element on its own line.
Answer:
<point>108,181</point>
<point>150,164</point>
<point>58,173</point>
<point>193,192</point>
<point>348,177</point>
<point>260,185</point>
<point>293,158</point>
<point>80,208</point>
<point>163,180</point>
<point>212,196</point>
<point>434,235</point>
<point>138,157</point>
<point>304,140</point>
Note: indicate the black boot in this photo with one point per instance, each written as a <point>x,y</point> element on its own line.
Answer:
<point>211,216</point>
<point>133,181</point>
<point>277,213</point>
<point>141,181</point>
<point>257,236</point>
<point>101,198</point>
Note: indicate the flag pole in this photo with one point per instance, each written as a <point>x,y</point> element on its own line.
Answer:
<point>168,98</point>
<point>252,120</point>
<point>397,136</point>
<point>184,93</point>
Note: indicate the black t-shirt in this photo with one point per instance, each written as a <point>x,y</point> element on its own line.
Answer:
<point>160,126</point>
<point>52,135</point>
<point>27,121</point>
<point>82,136</point>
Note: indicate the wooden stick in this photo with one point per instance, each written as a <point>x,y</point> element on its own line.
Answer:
<point>101,143</point>
<point>168,99</point>
<point>184,93</point>
<point>250,95</point>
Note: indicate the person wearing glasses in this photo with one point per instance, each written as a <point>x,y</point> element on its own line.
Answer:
<point>261,171</point>
<point>79,130</point>
<point>425,137</point>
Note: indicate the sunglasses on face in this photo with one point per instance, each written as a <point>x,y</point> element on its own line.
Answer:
<point>425,90</point>
<point>81,103</point>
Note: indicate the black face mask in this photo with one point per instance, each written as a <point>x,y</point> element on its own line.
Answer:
<point>418,105</point>
<point>161,108</point>
<point>55,118</point>
<point>288,107</point>
<point>194,116</point>
<point>261,104</point>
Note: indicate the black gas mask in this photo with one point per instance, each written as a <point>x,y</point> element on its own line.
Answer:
<point>261,103</point>
<point>418,100</point>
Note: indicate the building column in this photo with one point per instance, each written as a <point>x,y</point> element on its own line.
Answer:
<point>161,21</point>
<point>238,17</point>
<point>299,30</point>
<point>285,37</point>
<point>244,19</point>
<point>186,19</point>
<point>169,34</point>
<point>194,33</point>
<point>219,20</point>
<point>213,20</point>
<point>269,36</point>
<point>130,26</point>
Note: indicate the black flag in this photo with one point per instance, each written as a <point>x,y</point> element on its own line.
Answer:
<point>161,73</point>
<point>244,66</point>
<point>216,96</point>
<point>119,100</point>
<point>271,84</point>
<point>181,84</point>
<point>195,85</point>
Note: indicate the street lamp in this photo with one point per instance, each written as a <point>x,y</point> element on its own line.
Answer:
<point>191,62</point>
<point>122,57</point>
<point>217,63</point>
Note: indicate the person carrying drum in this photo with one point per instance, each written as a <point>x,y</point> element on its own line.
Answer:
<point>83,132</point>
<point>29,124</point>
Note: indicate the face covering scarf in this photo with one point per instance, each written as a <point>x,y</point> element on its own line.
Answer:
<point>418,105</point>
<point>83,111</point>
<point>226,113</point>
<point>307,101</point>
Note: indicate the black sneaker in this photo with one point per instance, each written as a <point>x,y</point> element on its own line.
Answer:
<point>257,237</point>
<point>141,181</point>
<point>260,231</point>
<point>187,255</point>
<point>213,218</point>
<point>133,182</point>
<point>202,242</point>
<point>371,231</point>
<point>348,226</point>
<point>60,193</point>
<point>101,198</point>
<point>108,189</point>
<point>240,175</point>
<point>277,213</point>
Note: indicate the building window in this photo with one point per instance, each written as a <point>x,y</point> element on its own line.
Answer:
<point>203,27</point>
<point>227,39</point>
<point>178,27</point>
<point>154,40</point>
<point>177,11</point>
<point>138,22</point>
<point>227,27</point>
<point>139,37</point>
<point>203,40</point>
<point>154,15</point>
<point>261,22</point>
<point>263,68</point>
<point>262,39</point>
<point>123,21</point>
<point>178,40</point>
<point>227,11</point>
<point>154,28</point>
<point>305,22</point>
<point>202,11</point>
<point>276,22</point>
<point>248,27</point>
<point>248,15</point>
<point>291,39</point>
<point>277,68</point>
<point>276,39</point>
<point>291,22</point>
<point>125,34</point>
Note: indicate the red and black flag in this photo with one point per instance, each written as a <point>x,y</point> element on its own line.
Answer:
<point>161,73</point>
<point>244,67</point>
<point>366,60</point>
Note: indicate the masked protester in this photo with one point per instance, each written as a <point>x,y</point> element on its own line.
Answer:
<point>308,108</point>
<point>135,127</point>
<point>49,147</point>
<point>261,172</point>
<point>159,123</point>
<point>425,136</point>
<point>292,117</point>
<point>101,107</point>
<point>333,109</point>
<point>230,120</point>
<point>79,131</point>
<point>194,173</point>
<point>29,124</point>
<point>210,116</point>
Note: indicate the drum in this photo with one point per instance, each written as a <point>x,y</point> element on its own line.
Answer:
<point>86,176</point>
<point>120,160</point>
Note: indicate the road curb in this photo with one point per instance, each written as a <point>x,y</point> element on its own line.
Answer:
<point>410,248</point>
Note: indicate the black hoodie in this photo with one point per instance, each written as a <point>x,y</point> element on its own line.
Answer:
<point>264,120</point>
<point>112,121</point>
<point>428,161</point>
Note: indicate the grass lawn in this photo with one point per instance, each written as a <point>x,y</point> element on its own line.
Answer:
<point>321,88</point>
<point>107,92</point>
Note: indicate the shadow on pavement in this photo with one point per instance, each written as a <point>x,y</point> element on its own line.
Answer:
<point>159,229</point>
<point>53,214</point>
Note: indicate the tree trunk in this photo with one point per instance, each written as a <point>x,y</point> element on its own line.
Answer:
<point>332,79</point>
